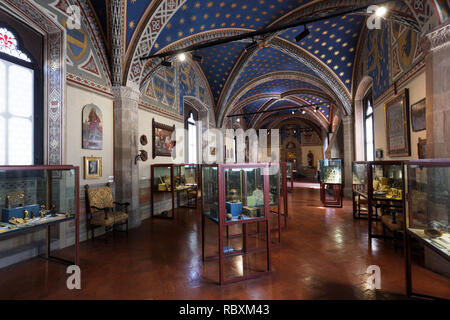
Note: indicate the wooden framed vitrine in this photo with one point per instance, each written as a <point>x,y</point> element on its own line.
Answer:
<point>33,198</point>
<point>331,182</point>
<point>236,194</point>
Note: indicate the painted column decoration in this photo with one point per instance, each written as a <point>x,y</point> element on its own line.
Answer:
<point>347,122</point>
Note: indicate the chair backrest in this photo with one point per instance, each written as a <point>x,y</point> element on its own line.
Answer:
<point>101,198</point>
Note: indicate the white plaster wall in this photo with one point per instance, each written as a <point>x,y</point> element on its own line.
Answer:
<point>417,92</point>
<point>77,98</point>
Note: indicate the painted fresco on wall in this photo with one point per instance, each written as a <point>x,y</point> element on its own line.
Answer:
<point>187,82</point>
<point>377,49</point>
<point>405,49</point>
<point>92,127</point>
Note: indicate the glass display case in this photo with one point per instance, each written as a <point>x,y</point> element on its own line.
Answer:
<point>385,195</point>
<point>359,189</point>
<point>331,182</point>
<point>284,190</point>
<point>427,209</point>
<point>177,183</point>
<point>235,194</point>
<point>33,198</point>
<point>289,176</point>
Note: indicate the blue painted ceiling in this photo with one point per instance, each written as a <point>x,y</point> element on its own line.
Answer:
<point>331,41</point>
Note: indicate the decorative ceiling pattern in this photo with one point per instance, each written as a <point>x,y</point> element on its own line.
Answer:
<point>332,41</point>
<point>135,10</point>
<point>198,16</point>
<point>324,109</point>
<point>278,86</point>
<point>268,60</point>
<point>218,62</point>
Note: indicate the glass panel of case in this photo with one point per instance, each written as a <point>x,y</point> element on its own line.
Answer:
<point>273,187</point>
<point>245,193</point>
<point>190,175</point>
<point>161,178</point>
<point>31,197</point>
<point>429,205</point>
<point>210,192</point>
<point>331,171</point>
<point>387,181</point>
<point>360,177</point>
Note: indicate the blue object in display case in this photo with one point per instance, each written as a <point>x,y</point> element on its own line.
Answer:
<point>19,212</point>
<point>235,208</point>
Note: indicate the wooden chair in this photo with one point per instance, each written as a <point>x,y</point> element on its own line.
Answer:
<point>101,211</point>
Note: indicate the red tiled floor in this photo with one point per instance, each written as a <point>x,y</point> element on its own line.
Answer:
<point>324,255</point>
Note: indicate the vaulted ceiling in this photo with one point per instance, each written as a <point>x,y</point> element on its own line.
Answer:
<point>278,72</point>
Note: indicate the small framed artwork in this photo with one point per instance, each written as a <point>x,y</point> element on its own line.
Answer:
<point>92,167</point>
<point>396,115</point>
<point>92,127</point>
<point>418,116</point>
<point>422,148</point>
<point>163,143</point>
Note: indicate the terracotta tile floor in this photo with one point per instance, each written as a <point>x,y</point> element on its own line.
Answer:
<point>323,255</point>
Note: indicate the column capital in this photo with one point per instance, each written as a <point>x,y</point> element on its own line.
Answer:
<point>122,92</point>
<point>436,38</point>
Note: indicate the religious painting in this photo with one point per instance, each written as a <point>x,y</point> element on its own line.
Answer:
<point>92,167</point>
<point>92,127</point>
<point>418,116</point>
<point>163,139</point>
<point>397,125</point>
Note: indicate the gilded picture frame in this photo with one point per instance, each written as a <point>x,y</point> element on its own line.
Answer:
<point>396,115</point>
<point>93,167</point>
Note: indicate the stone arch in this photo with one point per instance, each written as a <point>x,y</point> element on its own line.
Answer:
<point>364,85</point>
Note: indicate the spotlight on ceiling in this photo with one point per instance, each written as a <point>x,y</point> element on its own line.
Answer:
<point>197,58</point>
<point>303,111</point>
<point>381,11</point>
<point>181,57</point>
<point>316,109</point>
<point>166,63</point>
<point>303,34</point>
<point>292,112</point>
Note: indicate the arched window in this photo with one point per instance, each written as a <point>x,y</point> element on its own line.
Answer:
<point>17,103</point>
<point>192,138</point>
<point>369,143</point>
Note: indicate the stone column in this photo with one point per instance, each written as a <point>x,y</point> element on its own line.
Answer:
<point>347,126</point>
<point>126,101</point>
<point>436,47</point>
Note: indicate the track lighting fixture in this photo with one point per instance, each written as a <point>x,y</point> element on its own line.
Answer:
<point>197,58</point>
<point>181,57</point>
<point>166,63</point>
<point>303,111</point>
<point>303,34</point>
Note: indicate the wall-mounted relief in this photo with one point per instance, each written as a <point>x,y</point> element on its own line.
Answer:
<point>92,127</point>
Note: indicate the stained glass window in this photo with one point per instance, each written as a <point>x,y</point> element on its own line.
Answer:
<point>8,45</point>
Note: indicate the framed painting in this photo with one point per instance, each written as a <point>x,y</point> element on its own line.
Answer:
<point>422,148</point>
<point>397,125</point>
<point>92,127</point>
<point>92,167</point>
<point>163,139</point>
<point>418,116</point>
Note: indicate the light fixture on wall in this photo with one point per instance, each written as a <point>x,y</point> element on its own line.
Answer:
<point>303,34</point>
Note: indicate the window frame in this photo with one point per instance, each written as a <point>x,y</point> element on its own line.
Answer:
<point>366,100</point>
<point>188,112</point>
<point>38,96</point>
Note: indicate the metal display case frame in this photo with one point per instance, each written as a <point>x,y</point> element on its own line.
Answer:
<point>172,167</point>
<point>47,225</point>
<point>222,222</point>
<point>409,235</point>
